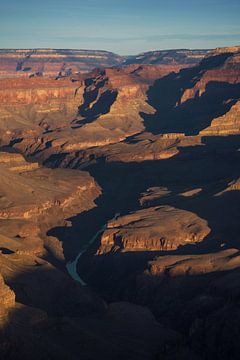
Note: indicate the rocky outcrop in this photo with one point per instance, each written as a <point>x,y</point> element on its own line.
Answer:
<point>153,229</point>
<point>32,200</point>
<point>180,265</point>
<point>7,296</point>
<point>228,124</point>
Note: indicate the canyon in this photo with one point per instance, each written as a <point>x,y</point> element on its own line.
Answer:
<point>128,169</point>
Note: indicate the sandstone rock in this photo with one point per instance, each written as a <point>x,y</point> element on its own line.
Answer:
<point>153,229</point>
<point>33,200</point>
<point>180,265</point>
<point>52,62</point>
<point>7,296</point>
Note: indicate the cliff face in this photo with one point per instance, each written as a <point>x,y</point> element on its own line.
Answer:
<point>7,297</point>
<point>153,229</point>
<point>187,103</point>
<point>227,124</point>
<point>33,104</point>
<point>96,109</point>
<point>52,62</point>
<point>34,199</point>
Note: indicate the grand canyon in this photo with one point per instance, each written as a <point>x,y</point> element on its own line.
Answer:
<point>119,204</point>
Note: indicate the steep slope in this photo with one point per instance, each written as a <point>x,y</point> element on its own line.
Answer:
<point>188,102</point>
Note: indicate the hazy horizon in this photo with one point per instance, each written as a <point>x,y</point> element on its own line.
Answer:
<point>88,49</point>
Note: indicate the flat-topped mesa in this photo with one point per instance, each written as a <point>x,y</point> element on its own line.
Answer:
<point>168,57</point>
<point>153,229</point>
<point>52,62</point>
<point>24,195</point>
<point>222,50</point>
<point>180,265</point>
<point>33,200</point>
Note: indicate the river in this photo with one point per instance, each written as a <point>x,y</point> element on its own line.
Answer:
<point>72,265</point>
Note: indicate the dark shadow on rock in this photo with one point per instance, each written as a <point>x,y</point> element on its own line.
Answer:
<point>54,292</point>
<point>102,106</point>
<point>210,167</point>
<point>196,114</point>
<point>4,250</point>
<point>80,326</point>
<point>101,102</point>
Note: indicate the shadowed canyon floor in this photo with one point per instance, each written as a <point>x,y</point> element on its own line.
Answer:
<point>134,173</point>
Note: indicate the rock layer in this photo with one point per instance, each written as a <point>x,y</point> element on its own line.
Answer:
<point>153,229</point>
<point>52,62</point>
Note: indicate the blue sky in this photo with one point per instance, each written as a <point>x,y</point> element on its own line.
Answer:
<point>125,27</point>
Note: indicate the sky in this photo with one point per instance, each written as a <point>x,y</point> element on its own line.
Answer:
<point>121,26</point>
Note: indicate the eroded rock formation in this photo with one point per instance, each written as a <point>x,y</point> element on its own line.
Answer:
<point>153,229</point>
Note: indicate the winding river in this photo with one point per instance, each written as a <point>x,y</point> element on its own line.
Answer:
<point>72,265</point>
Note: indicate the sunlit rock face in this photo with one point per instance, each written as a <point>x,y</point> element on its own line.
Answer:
<point>35,105</point>
<point>7,298</point>
<point>33,199</point>
<point>97,109</point>
<point>153,229</point>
